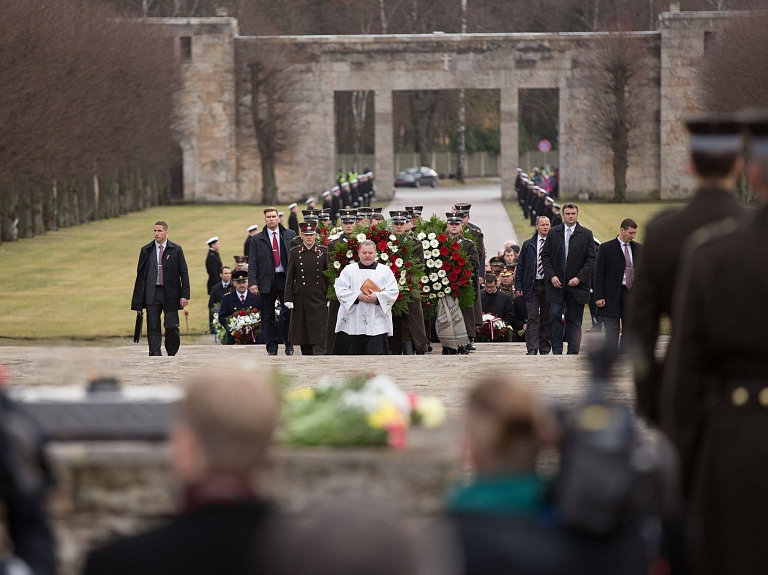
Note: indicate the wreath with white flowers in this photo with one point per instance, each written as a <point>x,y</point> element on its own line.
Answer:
<point>448,268</point>
<point>392,250</point>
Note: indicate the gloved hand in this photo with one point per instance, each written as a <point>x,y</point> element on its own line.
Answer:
<point>288,305</point>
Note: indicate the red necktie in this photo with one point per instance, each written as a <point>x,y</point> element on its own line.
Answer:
<point>275,250</point>
<point>160,267</point>
<point>242,298</point>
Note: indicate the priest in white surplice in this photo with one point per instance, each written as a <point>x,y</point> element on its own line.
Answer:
<point>364,321</point>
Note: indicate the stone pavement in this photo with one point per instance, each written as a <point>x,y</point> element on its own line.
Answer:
<point>563,378</point>
<point>487,210</point>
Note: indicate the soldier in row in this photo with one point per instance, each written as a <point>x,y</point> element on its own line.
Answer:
<point>474,232</point>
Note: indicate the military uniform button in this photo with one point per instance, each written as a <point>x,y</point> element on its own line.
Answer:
<point>740,396</point>
<point>763,397</point>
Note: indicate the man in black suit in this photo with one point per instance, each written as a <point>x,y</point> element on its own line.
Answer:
<point>716,163</point>
<point>267,265</point>
<point>237,299</point>
<point>614,277</point>
<point>530,284</point>
<point>162,286</point>
<point>219,448</point>
<point>219,291</point>
<point>568,258</point>
<point>252,231</point>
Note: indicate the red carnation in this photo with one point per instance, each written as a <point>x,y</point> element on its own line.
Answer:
<point>457,294</point>
<point>462,261</point>
<point>446,265</point>
<point>454,286</point>
<point>442,238</point>
<point>444,251</point>
<point>455,256</point>
<point>456,270</point>
<point>452,277</point>
<point>394,268</point>
<point>455,246</point>
<point>382,246</point>
<point>407,264</point>
<point>468,272</point>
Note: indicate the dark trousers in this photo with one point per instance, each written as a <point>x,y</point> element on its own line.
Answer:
<point>574,314</point>
<point>597,318</point>
<point>613,325</point>
<point>312,349</point>
<point>171,324</point>
<point>268,322</point>
<point>537,338</point>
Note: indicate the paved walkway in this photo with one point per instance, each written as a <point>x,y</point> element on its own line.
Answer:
<point>487,210</point>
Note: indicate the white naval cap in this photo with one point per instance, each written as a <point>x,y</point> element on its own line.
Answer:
<point>253,227</point>
<point>309,201</point>
<point>212,240</point>
<point>293,205</point>
<point>326,194</point>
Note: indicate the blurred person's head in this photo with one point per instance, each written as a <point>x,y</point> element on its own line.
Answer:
<point>506,426</point>
<point>715,151</point>
<point>225,425</point>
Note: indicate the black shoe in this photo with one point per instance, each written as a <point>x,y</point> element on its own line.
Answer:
<point>271,353</point>
<point>429,347</point>
<point>544,353</point>
<point>288,350</point>
<point>463,350</point>
<point>471,345</point>
<point>446,351</point>
<point>531,353</point>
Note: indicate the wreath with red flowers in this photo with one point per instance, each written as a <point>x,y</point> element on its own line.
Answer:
<point>448,269</point>
<point>392,250</point>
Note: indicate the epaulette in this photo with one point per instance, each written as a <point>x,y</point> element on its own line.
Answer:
<point>709,233</point>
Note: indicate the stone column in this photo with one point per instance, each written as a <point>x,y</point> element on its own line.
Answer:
<point>384,167</point>
<point>565,186</point>
<point>509,152</point>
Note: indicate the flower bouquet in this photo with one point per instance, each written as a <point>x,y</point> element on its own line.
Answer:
<point>326,234</point>
<point>448,268</point>
<point>220,332</point>
<point>493,329</point>
<point>391,250</point>
<point>244,325</point>
<point>360,411</point>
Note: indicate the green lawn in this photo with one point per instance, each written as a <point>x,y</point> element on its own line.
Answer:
<point>602,218</point>
<point>85,274</point>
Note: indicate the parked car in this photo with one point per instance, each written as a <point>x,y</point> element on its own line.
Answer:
<point>415,177</point>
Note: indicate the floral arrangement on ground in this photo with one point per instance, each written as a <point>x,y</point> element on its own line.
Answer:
<point>493,329</point>
<point>392,250</point>
<point>448,268</point>
<point>364,410</point>
<point>244,325</point>
<point>218,330</point>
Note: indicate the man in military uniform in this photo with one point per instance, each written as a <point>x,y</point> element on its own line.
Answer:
<point>293,219</point>
<point>213,262</point>
<point>327,200</point>
<point>507,280</point>
<point>237,299</point>
<point>454,232</point>
<point>346,198</point>
<point>715,162</point>
<point>310,203</point>
<point>305,289</point>
<point>715,385</point>
<point>310,216</point>
<point>472,231</point>
<point>336,204</point>
<point>347,225</point>
<point>247,246</point>
<point>415,212</point>
<point>410,326</point>
<point>497,265</point>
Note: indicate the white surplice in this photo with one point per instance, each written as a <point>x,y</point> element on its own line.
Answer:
<point>359,318</point>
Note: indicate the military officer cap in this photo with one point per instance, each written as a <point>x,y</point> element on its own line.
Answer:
<point>309,201</point>
<point>354,181</point>
<point>715,135</point>
<point>293,205</point>
<point>555,206</point>
<point>239,275</point>
<point>415,210</point>
<point>344,184</point>
<point>506,273</point>
<point>454,217</point>
<point>462,207</point>
<point>313,212</point>
<point>519,170</point>
<point>347,216</point>
<point>253,228</point>
<point>326,194</point>
<point>324,216</point>
<point>549,199</point>
<point>756,125</point>
<point>515,248</point>
<point>376,210</point>
<point>335,189</point>
<point>399,217</point>
<point>366,211</point>
<point>308,227</point>
<point>359,216</point>
<point>212,240</point>
<point>496,261</point>
<point>240,260</point>
<point>280,214</point>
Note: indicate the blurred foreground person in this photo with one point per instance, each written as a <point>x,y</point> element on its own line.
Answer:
<point>504,517</point>
<point>218,451</point>
<point>359,540</point>
<point>716,163</point>
<point>715,393</point>
<point>24,478</point>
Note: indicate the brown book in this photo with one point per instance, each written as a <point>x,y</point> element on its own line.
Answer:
<point>369,287</point>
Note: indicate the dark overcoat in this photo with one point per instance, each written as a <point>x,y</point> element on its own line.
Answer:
<point>655,282</point>
<point>261,262</point>
<point>213,267</point>
<point>609,274</point>
<point>218,292</point>
<point>175,276</point>
<point>213,539</point>
<point>293,223</point>
<point>231,303</point>
<point>306,286</point>
<point>525,273</point>
<point>414,319</point>
<point>581,260</point>
<point>715,393</point>
<point>499,304</point>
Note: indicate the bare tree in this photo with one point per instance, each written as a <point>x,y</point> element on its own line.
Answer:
<point>617,68</point>
<point>272,111</point>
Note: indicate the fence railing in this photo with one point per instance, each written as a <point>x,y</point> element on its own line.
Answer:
<point>477,165</point>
